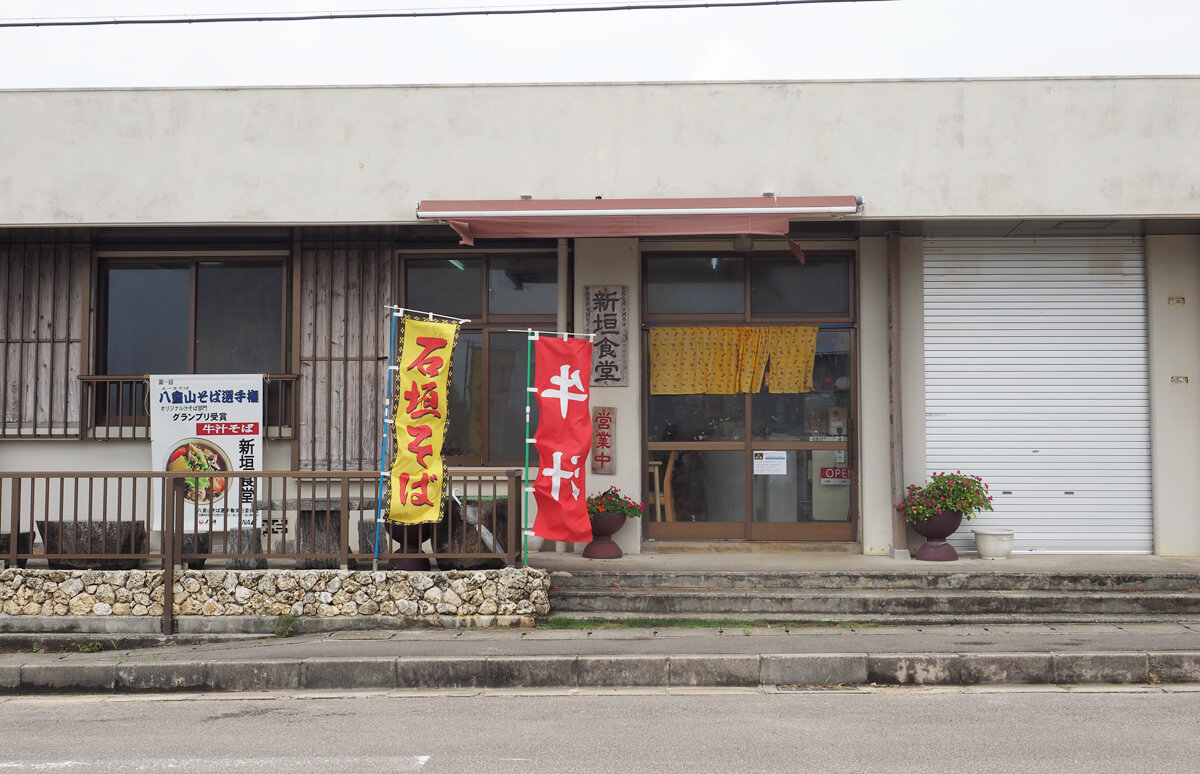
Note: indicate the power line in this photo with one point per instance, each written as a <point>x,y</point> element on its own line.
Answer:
<point>423,14</point>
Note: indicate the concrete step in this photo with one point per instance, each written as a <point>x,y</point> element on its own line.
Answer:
<point>792,622</point>
<point>1130,582</point>
<point>856,603</point>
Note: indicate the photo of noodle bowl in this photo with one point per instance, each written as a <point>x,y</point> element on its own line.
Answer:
<point>196,454</point>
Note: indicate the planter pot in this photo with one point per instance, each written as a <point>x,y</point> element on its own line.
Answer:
<point>87,537</point>
<point>24,546</point>
<point>993,543</point>
<point>935,531</point>
<point>604,526</point>
<point>243,540</point>
<point>408,554</point>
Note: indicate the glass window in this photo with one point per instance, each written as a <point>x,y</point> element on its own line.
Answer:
<point>239,311</point>
<point>814,486</point>
<point>820,415</point>
<point>695,285</point>
<point>148,338</point>
<point>703,486</point>
<point>697,417</point>
<point>464,438</point>
<point>506,404</point>
<point>780,285</point>
<point>487,422</point>
<point>450,286</point>
<point>193,317</point>
<point>523,285</point>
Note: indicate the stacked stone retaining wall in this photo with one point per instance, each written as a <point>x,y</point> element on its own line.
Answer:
<point>482,597</point>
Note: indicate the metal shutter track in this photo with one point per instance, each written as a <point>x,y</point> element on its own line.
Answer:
<point>1036,380</point>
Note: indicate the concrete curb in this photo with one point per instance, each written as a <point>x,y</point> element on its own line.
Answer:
<point>662,671</point>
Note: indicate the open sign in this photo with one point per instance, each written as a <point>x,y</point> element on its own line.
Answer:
<point>835,476</point>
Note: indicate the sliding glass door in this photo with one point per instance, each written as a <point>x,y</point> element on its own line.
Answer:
<point>750,404</point>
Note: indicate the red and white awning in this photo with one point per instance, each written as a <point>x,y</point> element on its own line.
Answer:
<point>551,218</point>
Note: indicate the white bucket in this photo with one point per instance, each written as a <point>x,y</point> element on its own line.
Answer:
<point>993,543</point>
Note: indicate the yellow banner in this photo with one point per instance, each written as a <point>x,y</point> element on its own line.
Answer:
<point>419,414</point>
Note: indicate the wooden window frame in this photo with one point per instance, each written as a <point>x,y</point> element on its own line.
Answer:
<point>487,325</point>
<point>748,529</point>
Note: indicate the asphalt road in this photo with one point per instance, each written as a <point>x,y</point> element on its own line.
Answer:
<point>911,730</point>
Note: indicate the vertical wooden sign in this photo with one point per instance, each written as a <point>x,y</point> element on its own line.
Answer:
<point>604,447</point>
<point>607,315</point>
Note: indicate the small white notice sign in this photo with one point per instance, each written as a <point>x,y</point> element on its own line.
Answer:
<point>770,463</point>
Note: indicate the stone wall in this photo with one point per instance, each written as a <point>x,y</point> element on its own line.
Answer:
<point>485,597</point>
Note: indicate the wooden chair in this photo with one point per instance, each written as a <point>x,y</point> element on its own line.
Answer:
<point>660,489</point>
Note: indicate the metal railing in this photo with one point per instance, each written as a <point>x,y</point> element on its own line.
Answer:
<point>117,407</point>
<point>249,520</point>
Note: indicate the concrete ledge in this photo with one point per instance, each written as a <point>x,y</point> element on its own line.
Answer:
<point>605,671</point>
<point>813,669</point>
<point>915,669</point>
<point>10,677</point>
<point>725,671</point>
<point>162,678</point>
<point>265,624</point>
<point>531,671</point>
<point>79,625</point>
<point>348,673</point>
<point>601,671</point>
<point>1164,667</point>
<point>1101,668</point>
<point>73,678</point>
<point>445,672</point>
<point>985,668</point>
<point>254,675</point>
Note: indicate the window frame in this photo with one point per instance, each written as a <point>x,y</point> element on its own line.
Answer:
<point>105,260</point>
<point>487,324</point>
<point>749,528</point>
<point>747,315</point>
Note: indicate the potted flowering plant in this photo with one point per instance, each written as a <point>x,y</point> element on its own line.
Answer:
<point>612,501</point>
<point>608,511</point>
<point>936,509</point>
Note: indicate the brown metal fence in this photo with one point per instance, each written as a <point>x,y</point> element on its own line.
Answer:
<point>301,520</point>
<point>116,407</point>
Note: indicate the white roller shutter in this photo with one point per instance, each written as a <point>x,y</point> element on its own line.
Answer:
<point>1036,380</point>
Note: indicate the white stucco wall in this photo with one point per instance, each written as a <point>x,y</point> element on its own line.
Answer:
<point>874,436</point>
<point>914,149</point>
<point>1173,290</point>
<point>912,364</point>
<point>615,262</point>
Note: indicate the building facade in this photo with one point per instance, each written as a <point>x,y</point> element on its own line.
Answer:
<point>994,276</point>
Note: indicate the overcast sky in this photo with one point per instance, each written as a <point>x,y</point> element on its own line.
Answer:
<point>898,39</point>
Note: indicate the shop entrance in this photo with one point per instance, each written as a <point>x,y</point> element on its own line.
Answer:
<point>749,427</point>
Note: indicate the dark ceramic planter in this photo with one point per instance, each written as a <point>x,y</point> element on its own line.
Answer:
<point>935,531</point>
<point>408,554</point>
<point>604,526</point>
<point>86,537</point>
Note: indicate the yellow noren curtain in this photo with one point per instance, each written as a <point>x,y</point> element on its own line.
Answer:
<point>792,351</point>
<point>729,360</point>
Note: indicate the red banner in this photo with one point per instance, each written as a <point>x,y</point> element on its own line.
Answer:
<point>562,439</point>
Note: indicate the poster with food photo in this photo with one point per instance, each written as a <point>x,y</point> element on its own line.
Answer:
<point>209,425</point>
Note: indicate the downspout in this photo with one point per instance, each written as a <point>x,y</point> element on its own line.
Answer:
<point>895,405</point>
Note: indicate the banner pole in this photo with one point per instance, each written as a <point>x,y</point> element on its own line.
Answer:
<point>383,446</point>
<point>525,484</point>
